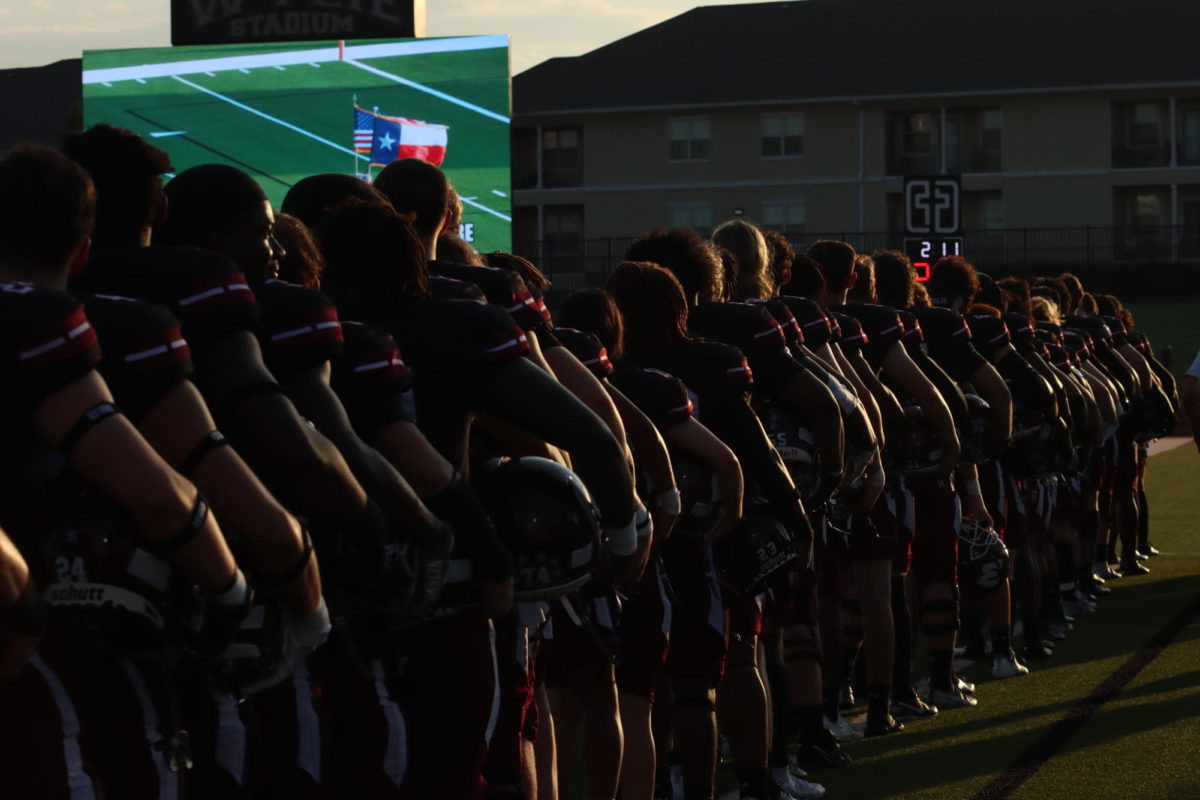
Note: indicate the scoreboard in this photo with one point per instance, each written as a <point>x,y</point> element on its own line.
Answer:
<point>924,253</point>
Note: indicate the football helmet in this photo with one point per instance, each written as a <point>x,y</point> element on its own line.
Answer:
<point>753,552</point>
<point>982,557</point>
<point>98,580</point>
<point>795,446</point>
<point>976,436</point>
<point>918,452</point>
<point>545,516</point>
<point>699,495</point>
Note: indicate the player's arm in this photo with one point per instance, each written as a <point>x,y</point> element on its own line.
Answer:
<point>315,399</point>
<point>807,394</point>
<point>692,438</point>
<point>849,374</point>
<point>650,452</point>
<point>1191,406</point>
<point>891,413</point>
<point>580,381</point>
<point>22,620</point>
<point>110,453</point>
<point>181,429</point>
<point>901,369</point>
<point>301,466</point>
<point>968,474</point>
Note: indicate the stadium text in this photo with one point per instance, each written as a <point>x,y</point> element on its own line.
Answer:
<point>216,21</point>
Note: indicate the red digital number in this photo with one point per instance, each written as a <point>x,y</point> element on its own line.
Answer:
<point>922,269</point>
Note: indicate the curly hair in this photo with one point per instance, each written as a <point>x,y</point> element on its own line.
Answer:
<point>534,278</point>
<point>863,290</point>
<point>952,278</point>
<point>781,258</point>
<point>894,278</point>
<point>373,256</point>
<point>302,262</point>
<point>685,254</point>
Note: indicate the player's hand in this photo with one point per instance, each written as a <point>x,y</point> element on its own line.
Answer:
<point>978,509</point>
<point>497,598</point>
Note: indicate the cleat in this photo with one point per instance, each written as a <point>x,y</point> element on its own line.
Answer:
<point>964,686</point>
<point>846,700</point>
<point>1058,632</point>
<point>1036,653</point>
<point>794,768</point>
<point>1140,556</point>
<point>789,786</point>
<point>825,753</point>
<point>1133,568</point>
<point>1149,550</point>
<point>1101,590</point>
<point>889,726</point>
<point>1078,605</point>
<point>1008,667</point>
<point>912,709</point>
<point>951,698</point>
<point>841,729</point>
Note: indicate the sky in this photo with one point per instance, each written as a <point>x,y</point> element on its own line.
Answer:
<point>36,32</point>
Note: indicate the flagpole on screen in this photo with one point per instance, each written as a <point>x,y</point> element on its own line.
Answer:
<point>354,101</point>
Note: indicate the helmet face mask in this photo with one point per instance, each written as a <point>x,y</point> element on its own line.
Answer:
<point>546,518</point>
<point>699,495</point>
<point>753,553</point>
<point>983,559</point>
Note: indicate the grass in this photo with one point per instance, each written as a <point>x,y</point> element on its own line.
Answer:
<point>1176,324</point>
<point>1140,744</point>
<point>319,99</point>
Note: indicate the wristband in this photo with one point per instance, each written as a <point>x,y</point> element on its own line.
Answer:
<point>622,540</point>
<point>972,488</point>
<point>669,501</point>
<point>310,630</point>
<point>643,521</point>
<point>236,594</point>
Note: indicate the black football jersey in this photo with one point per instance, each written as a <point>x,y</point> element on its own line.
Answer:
<point>143,352</point>
<point>660,396</point>
<point>813,322</point>
<point>371,379</point>
<point>881,325</point>
<point>299,329</point>
<point>586,346</point>
<point>948,342</point>
<point>46,342</point>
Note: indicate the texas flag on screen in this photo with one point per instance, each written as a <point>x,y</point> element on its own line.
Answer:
<point>393,138</point>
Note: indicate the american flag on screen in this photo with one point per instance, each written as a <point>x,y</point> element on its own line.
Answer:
<point>364,130</point>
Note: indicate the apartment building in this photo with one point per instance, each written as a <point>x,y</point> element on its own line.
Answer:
<point>1075,127</point>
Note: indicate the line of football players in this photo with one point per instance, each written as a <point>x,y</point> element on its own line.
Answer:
<point>323,504</point>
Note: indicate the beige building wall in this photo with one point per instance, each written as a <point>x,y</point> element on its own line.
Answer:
<point>1056,165</point>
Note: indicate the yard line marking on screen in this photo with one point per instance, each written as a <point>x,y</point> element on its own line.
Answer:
<point>265,116</point>
<point>313,136</point>
<point>498,193</point>
<point>160,134</point>
<point>294,57</point>
<point>429,90</point>
<point>482,207</point>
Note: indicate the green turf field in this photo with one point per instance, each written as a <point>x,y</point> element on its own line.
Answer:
<point>1176,324</point>
<point>283,121</point>
<point>1144,743</point>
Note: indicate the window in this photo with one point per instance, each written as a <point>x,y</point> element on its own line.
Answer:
<point>783,135</point>
<point>1139,134</point>
<point>1188,112</point>
<point>983,211</point>
<point>688,139</point>
<point>691,215</point>
<point>786,216</point>
<point>913,142</point>
<point>562,157</point>
<point>525,157</point>
<point>562,234</point>
<point>1142,215</point>
<point>973,140</point>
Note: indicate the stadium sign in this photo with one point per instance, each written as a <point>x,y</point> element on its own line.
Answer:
<point>244,21</point>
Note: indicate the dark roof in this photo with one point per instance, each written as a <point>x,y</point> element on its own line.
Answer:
<point>40,103</point>
<point>828,49</point>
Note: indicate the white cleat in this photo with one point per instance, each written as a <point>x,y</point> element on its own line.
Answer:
<point>842,730</point>
<point>796,788</point>
<point>1008,667</point>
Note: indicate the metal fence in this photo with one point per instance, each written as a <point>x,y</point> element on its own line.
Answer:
<point>587,262</point>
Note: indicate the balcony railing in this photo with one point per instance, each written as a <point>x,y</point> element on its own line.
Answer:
<point>587,262</point>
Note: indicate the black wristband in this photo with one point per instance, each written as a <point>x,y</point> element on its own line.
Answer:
<point>265,581</point>
<point>88,420</point>
<point>190,530</point>
<point>212,440</point>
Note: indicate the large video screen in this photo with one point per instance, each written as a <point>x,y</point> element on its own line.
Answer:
<point>284,111</point>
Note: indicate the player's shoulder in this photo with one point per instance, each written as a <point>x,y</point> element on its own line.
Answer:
<point>46,339</point>
<point>587,347</point>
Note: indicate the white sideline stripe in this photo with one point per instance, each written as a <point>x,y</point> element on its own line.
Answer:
<point>482,207</point>
<point>265,116</point>
<point>313,57</point>
<point>428,90</point>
